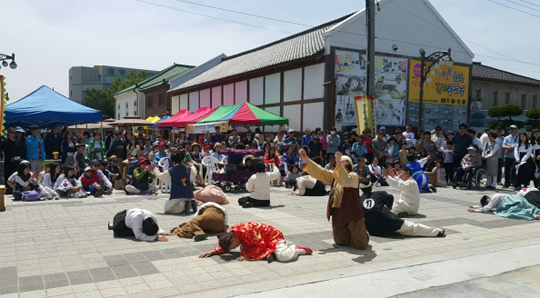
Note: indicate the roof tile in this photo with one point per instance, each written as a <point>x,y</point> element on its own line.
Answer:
<point>480,71</point>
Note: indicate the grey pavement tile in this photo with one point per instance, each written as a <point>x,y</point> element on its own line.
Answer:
<point>78,274</point>
<point>126,274</point>
<point>4,290</point>
<point>35,279</point>
<point>81,280</point>
<point>8,270</point>
<point>104,277</point>
<point>122,268</point>
<point>97,271</point>
<point>154,255</point>
<point>54,277</point>
<point>31,287</point>
<point>8,282</point>
<point>147,271</point>
<point>172,253</point>
<point>56,284</point>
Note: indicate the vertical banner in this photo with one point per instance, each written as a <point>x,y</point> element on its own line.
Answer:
<point>2,103</point>
<point>364,113</point>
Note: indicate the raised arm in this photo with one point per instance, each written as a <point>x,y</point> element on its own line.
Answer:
<point>315,170</point>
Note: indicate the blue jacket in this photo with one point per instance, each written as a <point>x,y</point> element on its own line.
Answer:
<point>32,144</point>
<point>394,152</point>
<point>358,150</point>
<point>333,143</point>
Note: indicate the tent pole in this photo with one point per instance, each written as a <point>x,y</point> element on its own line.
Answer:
<point>101,129</point>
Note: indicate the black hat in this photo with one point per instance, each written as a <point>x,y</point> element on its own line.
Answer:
<point>150,227</point>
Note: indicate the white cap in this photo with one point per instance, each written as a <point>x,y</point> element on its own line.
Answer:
<point>513,126</point>
<point>472,148</point>
<point>88,169</point>
<point>383,127</point>
<point>19,129</point>
<point>291,130</point>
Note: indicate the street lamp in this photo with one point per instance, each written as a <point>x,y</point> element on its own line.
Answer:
<point>429,65</point>
<point>4,58</point>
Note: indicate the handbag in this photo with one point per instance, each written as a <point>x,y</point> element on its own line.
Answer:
<point>30,195</point>
<point>119,185</point>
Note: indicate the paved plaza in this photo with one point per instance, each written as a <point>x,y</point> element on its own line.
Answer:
<point>63,249</point>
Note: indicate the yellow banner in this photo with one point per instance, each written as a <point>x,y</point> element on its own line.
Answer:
<point>449,84</point>
<point>207,127</point>
<point>364,113</point>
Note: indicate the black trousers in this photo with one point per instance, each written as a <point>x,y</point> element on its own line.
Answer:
<point>449,169</point>
<point>509,171</point>
<point>251,202</point>
<point>119,225</point>
<point>460,172</point>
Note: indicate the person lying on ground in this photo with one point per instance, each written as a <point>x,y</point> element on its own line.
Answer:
<point>140,223</point>
<point>509,206</point>
<point>210,218</point>
<point>258,241</point>
<point>308,186</point>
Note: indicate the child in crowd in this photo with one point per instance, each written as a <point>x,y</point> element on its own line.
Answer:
<point>89,181</point>
<point>114,169</point>
<point>396,168</point>
<point>132,165</point>
<point>103,168</point>
<point>68,185</point>
<point>441,174</point>
<point>402,155</point>
<point>331,165</point>
<point>448,161</point>
<point>412,151</point>
<point>248,164</point>
<point>291,176</point>
<point>49,180</point>
<point>80,157</point>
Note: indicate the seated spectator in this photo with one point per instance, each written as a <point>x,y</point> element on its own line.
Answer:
<point>248,164</point>
<point>67,184</point>
<point>271,157</point>
<point>361,169</point>
<point>469,163</point>
<point>289,158</point>
<point>140,181</point>
<point>292,175</point>
<point>331,165</point>
<point>90,182</point>
<point>23,180</point>
<point>376,174</point>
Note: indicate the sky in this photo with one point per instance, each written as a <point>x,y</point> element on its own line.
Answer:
<point>50,37</point>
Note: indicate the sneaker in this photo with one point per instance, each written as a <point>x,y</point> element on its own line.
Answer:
<point>200,237</point>
<point>308,250</point>
<point>442,233</point>
<point>99,193</point>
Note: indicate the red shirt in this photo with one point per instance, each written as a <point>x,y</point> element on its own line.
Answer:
<point>267,159</point>
<point>367,141</point>
<point>258,240</point>
<point>85,181</point>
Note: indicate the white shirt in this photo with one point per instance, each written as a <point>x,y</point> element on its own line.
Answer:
<point>409,138</point>
<point>134,220</point>
<point>410,195</point>
<point>47,180</point>
<point>484,139</point>
<point>376,169</point>
<point>522,149</point>
<point>303,183</point>
<point>490,152</point>
<point>525,191</point>
<point>495,203</point>
<point>259,184</point>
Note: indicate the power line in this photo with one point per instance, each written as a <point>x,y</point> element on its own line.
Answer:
<point>522,5</point>
<point>530,3</point>
<point>213,17</point>
<point>531,14</point>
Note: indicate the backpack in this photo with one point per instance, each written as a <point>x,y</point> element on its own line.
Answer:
<point>29,196</point>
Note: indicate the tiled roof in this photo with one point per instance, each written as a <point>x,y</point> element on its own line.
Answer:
<point>298,46</point>
<point>480,71</point>
<point>160,78</point>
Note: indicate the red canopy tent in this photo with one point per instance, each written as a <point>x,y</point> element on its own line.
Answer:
<point>177,117</point>
<point>201,113</point>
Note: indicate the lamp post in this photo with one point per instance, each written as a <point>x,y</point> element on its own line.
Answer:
<point>429,65</point>
<point>5,57</point>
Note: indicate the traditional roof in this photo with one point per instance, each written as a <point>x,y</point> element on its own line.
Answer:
<point>298,46</point>
<point>480,72</point>
<point>161,78</point>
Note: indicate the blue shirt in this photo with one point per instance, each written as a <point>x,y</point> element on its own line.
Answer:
<point>306,139</point>
<point>35,146</point>
<point>510,141</point>
<point>158,156</point>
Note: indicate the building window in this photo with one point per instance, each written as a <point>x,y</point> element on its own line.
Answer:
<point>127,105</point>
<point>122,72</point>
<point>495,98</point>
<point>524,101</point>
<point>135,103</point>
<point>535,101</point>
<point>149,102</point>
<point>119,106</point>
<point>478,94</point>
<point>110,70</point>
<point>127,113</point>
<point>118,116</point>
<point>160,100</point>
<point>506,98</point>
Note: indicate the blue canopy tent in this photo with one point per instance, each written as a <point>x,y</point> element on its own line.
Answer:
<point>161,127</point>
<point>45,107</point>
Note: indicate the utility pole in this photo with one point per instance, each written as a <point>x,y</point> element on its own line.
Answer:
<point>370,28</point>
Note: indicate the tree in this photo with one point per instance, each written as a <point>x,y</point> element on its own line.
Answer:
<point>495,112</point>
<point>510,110</point>
<point>533,122</point>
<point>104,100</point>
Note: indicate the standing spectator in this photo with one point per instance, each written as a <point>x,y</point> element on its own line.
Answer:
<point>182,139</point>
<point>315,148</point>
<point>462,141</point>
<point>402,155</point>
<point>68,149</point>
<point>448,161</point>
<point>292,140</point>
<point>118,147</point>
<point>108,141</point>
<point>346,147</point>
<point>500,152</point>
<point>87,138</point>
<point>438,137</point>
<point>426,142</point>
<point>535,155</point>
<point>392,151</point>
<point>322,137</point>
<point>279,140</point>
<point>484,139</point>
<point>269,141</point>
<point>19,134</point>
<point>379,146</point>
<point>523,163</point>
<point>385,135</point>
<point>368,140</point>
<point>133,148</point>
<point>12,154</point>
<point>333,141</point>
<point>233,138</point>
<point>476,141</point>
<point>53,142</point>
<point>359,148</point>
<point>96,147</point>
<point>36,149</point>
<point>409,136</point>
<point>509,142</point>
<point>491,155</point>
<point>306,138</point>
<point>217,137</point>
<point>248,139</point>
